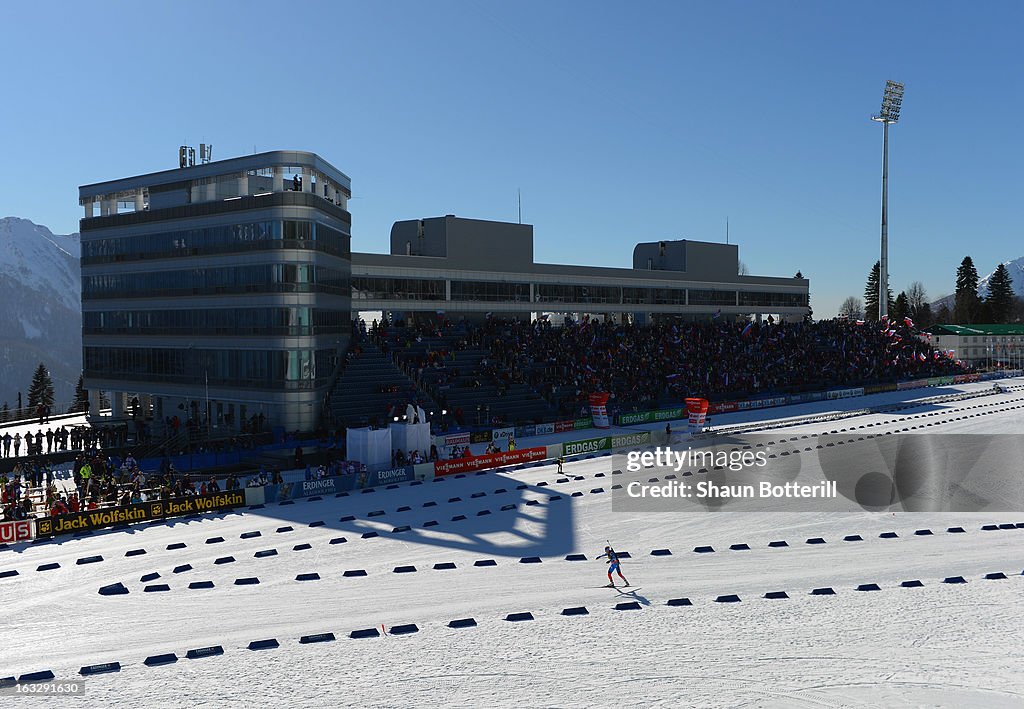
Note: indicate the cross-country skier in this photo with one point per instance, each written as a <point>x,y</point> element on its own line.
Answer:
<point>613,566</point>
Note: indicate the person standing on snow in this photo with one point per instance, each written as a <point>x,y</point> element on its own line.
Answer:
<point>612,559</point>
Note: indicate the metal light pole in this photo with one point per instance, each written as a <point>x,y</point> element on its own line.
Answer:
<point>892,100</point>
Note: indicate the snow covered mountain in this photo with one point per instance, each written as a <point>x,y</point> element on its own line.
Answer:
<point>41,321</point>
<point>1016,269</point>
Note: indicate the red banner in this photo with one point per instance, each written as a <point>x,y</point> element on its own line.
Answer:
<point>964,378</point>
<point>491,460</point>
<point>698,410</point>
<point>18,531</point>
<point>722,407</point>
<point>563,426</point>
<point>599,410</point>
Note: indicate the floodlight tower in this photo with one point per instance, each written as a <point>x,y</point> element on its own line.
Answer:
<point>892,100</point>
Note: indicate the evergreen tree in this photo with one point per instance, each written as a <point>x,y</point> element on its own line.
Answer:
<point>40,391</point>
<point>902,307</point>
<point>871,294</point>
<point>809,316</point>
<point>81,396</point>
<point>923,316</point>
<point>965,311</point>
<point>1000,295</point>
<point>944,316</point>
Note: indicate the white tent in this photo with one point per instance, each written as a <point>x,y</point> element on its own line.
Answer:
<point>372,447</point>
<point>411,437</point>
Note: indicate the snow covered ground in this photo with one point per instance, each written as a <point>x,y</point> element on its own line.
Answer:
<point>940,644</point>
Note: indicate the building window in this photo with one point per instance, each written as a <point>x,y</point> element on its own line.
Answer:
<point>491,291</point>
<point>712,297</point>
<point>376,288</point>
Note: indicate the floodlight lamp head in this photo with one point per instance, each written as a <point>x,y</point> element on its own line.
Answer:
<point>892,101</point>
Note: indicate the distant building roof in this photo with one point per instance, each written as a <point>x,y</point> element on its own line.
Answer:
<point>968,330</point>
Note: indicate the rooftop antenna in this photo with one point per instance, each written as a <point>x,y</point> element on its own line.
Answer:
<point>726,229</point>
<point>519,194</point>
<point>186,156</point>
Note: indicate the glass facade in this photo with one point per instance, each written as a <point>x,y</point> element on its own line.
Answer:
<point>247,369</point>
<point>773,300</point>
<point>491,291</point>
<point>297,321</point>
<point>374,288</point>
<point>559,293</point>
<point>379,288</point>
<point>234,238</point>
<point>712,297</point>
<point>262,278</point>
<point>668,296</point>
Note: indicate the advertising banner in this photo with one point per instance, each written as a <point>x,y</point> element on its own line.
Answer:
<point>593,445</point>
<point>202,503</point>
<point>563,426</point>
<point>390,476</point>
<point>631,440</point>
<point>480,437</point>
<point>526,431</point>
<point>843,393</point>
<point>455,439</point>
<point>17,531</point>
<point>722,407</point>
<point>544,429</point>
<point>500,436</point>
<point>599,410</point>
<point>580,424</point>
<point>493,460</point>
<point>141,512</point>
<point>651,416</point>
<point>914,384</point>
<point>338,483</point>
<point>697,409</point>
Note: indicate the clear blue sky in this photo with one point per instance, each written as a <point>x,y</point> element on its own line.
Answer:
<point>620,122</point>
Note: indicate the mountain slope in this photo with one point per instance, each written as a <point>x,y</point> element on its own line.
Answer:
<point>1016,269</point>
<point>41,321</point>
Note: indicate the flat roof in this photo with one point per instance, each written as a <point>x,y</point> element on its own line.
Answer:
<point>441,267</point>
<point>259,161</point>
<point>970,330</point>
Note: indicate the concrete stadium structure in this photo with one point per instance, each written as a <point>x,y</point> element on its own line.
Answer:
<point>469,267</point>
<point>223,292</point>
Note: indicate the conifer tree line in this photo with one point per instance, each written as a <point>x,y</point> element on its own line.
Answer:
<point>40,391</point>
<point>997,305</point>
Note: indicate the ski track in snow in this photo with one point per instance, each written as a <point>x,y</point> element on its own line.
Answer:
<point>948,645</point>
